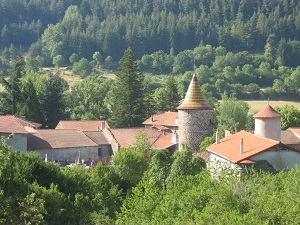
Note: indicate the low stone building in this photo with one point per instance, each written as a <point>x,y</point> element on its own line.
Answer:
<point>14,132</point>
<point>63,145</point>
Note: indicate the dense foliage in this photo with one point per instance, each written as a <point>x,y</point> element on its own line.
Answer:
<point>146,26</point>
<point>170,189</point>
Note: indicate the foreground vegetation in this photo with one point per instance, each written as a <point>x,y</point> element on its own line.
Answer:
<point>168,189</point>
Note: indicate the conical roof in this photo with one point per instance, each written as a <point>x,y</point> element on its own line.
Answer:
<point>267,112</point>
<point>194,98</point>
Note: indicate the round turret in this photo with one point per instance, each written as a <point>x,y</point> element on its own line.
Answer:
<point>268,123</point>
<point>194,117</point>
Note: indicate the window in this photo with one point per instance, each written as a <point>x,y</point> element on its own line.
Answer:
<point>99,151</point>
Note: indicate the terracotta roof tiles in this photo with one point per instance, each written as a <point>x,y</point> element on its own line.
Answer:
<point>126,136</point>
<point>163,119</point>
<point>229,147</point>
<point>58,138</point>
<point>295,131</point>
<point>163,142</point>
<point>97,136</point>
<point>267,112</point>
<point>289,138</point>
<point>83,125</point>
<point>9,124</point>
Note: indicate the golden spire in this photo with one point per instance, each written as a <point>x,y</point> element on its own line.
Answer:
<point>194,98</point>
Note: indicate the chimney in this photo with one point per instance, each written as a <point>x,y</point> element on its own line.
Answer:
<point>175,138</point>
<point>241,146</point>
<point>152,118</point>
<point>102,125</point>
<point>217,137</point>
<point>176,121</point>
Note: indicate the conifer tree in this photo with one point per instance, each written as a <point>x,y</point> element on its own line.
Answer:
<point>128,106</point>
<point>11,98</point>
<point>30,106</point>
<point>53,100</point>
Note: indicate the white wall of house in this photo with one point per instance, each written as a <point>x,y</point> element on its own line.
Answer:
<point>280,160</point>
<point>218,164</point>
<point>16,141</point>
<point>70,154</point>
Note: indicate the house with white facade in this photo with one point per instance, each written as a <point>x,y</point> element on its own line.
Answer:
<point>262,149</point>
<point>14,132</point>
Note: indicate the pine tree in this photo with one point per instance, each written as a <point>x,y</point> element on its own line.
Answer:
<point>30,106</point>
<point>11,98</point>
<point>53,100</point>
<point>128,106</point>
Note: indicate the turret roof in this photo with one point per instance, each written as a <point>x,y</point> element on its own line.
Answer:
<point>267,112</point>
<point>194,98</point>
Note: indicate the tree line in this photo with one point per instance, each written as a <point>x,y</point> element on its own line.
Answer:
<point>64,27</point>
<point>133,96</point>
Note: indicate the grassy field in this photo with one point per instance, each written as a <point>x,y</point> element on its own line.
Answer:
<point>256,106</point>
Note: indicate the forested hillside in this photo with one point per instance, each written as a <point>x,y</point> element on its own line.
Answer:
<point>110,26</point>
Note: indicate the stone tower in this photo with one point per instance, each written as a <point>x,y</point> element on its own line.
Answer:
<point>268,123</point>
<point>194,117</point>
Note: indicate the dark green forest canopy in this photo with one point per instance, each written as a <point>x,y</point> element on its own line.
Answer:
<point>111,26</point>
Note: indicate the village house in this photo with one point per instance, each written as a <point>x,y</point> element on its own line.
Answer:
<point>263,149</point>
<point>164,121</point>
<point>78,141</point>
<point>14,132</point>
<point>73,141</point>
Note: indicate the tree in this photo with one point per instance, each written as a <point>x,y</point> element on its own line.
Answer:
<point>142,143</point>
<point>290,116</point>
<point>171,94</point>
<point>97,58</point>
<point>83,66</point>
<point>12,96</point>
<point>231,114</point>
<point>159,167</point>
<point>128,107</point>
<point>74,58</point>
<point>87,99</point>
<point>58,61</point>
<point>30,106</point>
<point>53,100</point>
<point>129,165</point>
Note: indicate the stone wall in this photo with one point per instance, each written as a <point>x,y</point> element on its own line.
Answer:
<point>16,141</point>
<point>69,154</point>
<point>194,126</point>
<point>111,140</point>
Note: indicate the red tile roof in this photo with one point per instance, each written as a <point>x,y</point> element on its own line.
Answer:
<point>58,138</point>
<point>83,125</point>
<point>25,122</point>
<point>97,137</point>
<point>288,137</point>
<point>163,119</point>
<point>126,136</point>
<point>295,131</point>
<point>165,141</point>
<point>9,124</point>
<point>267,112</point>
<point>229,147</point>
